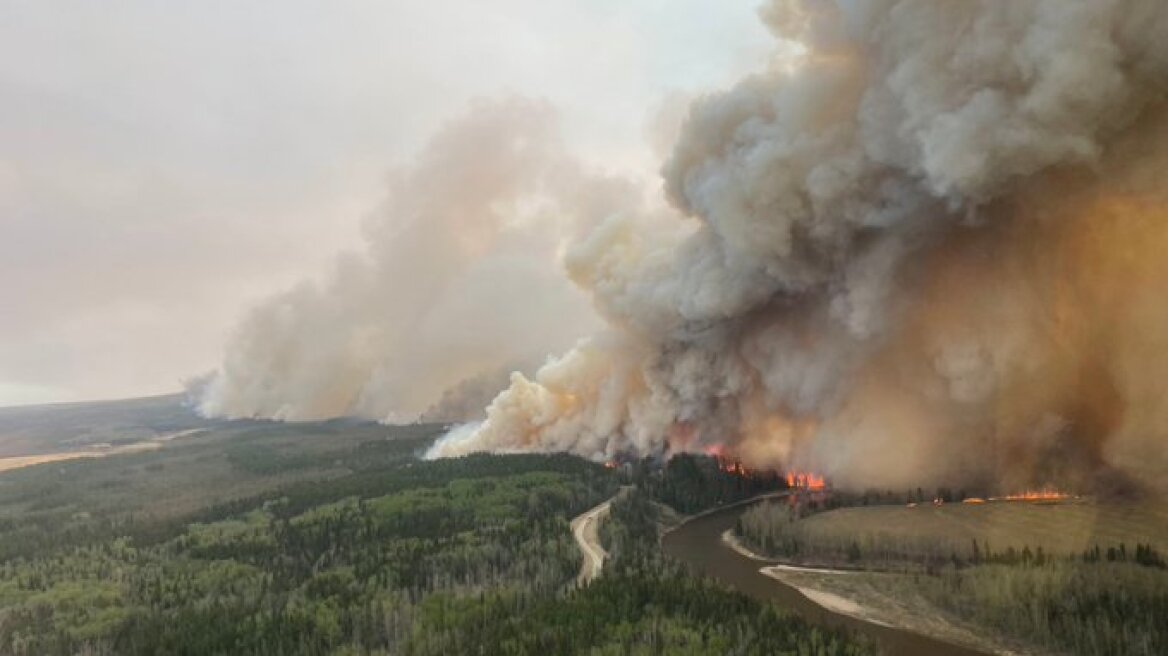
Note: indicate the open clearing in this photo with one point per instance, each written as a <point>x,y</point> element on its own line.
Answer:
<point>1059,528</point>
<point>16,462</point>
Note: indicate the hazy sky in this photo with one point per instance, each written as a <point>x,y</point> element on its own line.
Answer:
<point>163,165</point>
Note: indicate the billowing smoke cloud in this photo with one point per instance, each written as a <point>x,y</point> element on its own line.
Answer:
<point>467,400</point>
<point>460,279</point>
<point>930,250</point>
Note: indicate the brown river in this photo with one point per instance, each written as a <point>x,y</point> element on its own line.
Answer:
<point>699,543</point>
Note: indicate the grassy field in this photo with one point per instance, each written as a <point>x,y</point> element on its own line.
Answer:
<point>900,533</point>
<point>1072,577</point>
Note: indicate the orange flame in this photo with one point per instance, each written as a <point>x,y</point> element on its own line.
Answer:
<point>805,481</point>
<point>1045,494</point>
<point>731,466</point>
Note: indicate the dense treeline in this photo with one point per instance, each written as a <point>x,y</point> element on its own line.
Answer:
<point>364,564</point>
<point>647,603</point>
<point>1062,604</point>
<point>381,554</point>
<point>691,483</point>
<point>63,505</point>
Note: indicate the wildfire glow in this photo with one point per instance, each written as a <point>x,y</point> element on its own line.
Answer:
<point>805,481</point>
<point>1045,494</point>
<point>796,480</point>
<point>731,466</point>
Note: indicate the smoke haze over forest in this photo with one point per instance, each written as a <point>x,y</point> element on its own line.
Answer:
<point>927,249</point>
<point>922,243</point>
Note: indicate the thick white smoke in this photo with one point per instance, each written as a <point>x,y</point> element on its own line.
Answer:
<point>460,278</point>
<point>886,258</point>
<point>901,257</point>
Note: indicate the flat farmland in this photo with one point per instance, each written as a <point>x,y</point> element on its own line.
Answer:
<point>1006,576</point>
<point>1059,528</point>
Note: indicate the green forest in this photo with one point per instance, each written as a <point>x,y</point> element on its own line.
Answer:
<point>339,539</point>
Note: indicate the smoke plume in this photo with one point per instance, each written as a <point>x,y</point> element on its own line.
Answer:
<point>926,250</point>
<point>459,278</point>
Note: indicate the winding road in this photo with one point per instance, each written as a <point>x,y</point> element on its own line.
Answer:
<point>586,530</point>
<point>700,541</point>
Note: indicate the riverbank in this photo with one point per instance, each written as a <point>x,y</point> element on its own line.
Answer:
<point>828,600</point>
<point>881,598</point>
<point>698,543</point>
<point>889,600</point>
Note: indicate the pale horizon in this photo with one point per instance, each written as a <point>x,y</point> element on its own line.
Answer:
<point>165,170</point>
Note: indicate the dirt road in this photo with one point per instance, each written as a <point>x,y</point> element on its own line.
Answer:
<point>586,530</point>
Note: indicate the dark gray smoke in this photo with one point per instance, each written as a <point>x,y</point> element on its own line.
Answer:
<point>927,248</point>
<point>925,243</point>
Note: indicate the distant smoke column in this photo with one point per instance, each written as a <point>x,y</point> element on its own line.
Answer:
<point>459,277</point>
<point>852,216</point>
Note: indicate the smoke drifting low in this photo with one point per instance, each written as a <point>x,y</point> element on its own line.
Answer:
<point>929,250</point>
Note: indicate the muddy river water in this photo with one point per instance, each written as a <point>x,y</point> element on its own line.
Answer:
<point>699,544</point>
